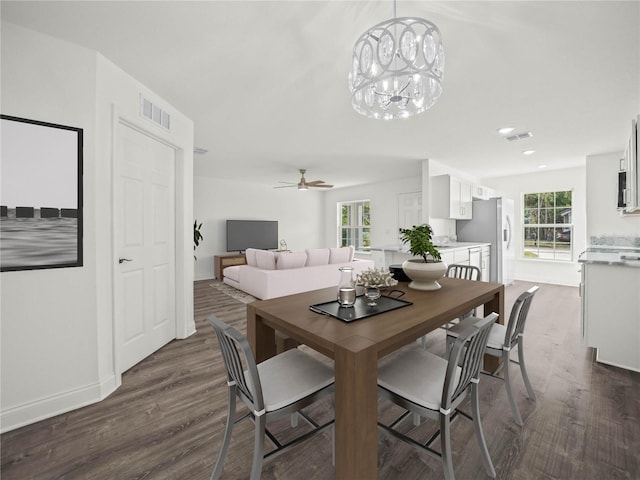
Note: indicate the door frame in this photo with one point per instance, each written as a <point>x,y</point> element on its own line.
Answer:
<point>185,325</point>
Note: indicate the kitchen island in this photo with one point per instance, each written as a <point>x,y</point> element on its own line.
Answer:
<point>610,307</point>
<point>465,253</point>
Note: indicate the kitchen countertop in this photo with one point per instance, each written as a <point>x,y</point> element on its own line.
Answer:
<point>449,247</point>
<point>623,257</point>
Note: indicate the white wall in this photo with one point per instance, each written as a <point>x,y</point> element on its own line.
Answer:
<point>299,215</point>
<point>603,220</point>
<point>547,271</point>
<point>57,326</point>
<point>384,208</point>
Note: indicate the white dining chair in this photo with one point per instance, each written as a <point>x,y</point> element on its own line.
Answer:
<point>277,387</point>
<point>430,386</point>
<point>502,340</point>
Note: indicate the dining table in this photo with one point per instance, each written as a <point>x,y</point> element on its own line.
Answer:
<point>356,347</point>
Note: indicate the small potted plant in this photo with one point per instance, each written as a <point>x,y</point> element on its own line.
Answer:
<point>426,270</point>
<point>197,236</point>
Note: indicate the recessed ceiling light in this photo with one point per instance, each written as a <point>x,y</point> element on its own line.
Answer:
<point>528,152</point>
<point>542,166</point>
<point>505,130</point>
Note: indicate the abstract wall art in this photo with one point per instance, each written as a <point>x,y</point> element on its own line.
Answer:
<point>40,195</point>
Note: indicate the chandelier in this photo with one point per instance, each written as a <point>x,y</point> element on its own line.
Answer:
<point>397,68</point>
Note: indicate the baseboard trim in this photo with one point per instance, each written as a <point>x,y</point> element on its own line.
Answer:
<point>52,405</point>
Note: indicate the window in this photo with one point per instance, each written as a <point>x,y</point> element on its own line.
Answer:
<point>354,226</point>
<point>547,224</point>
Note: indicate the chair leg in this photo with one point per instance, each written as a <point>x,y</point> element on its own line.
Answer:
<point>258,447</point>
<point>217,470</point>
<point>424,342</point>
<point>523,368</point>
<point>484,451</point>
<point>445,445</point>
<point>416,420</point>
<point>507,384</point>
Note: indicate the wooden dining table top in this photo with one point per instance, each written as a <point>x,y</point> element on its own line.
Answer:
<point>389,330</point>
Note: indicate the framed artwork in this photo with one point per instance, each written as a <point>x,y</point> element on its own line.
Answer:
<point>40,195</point>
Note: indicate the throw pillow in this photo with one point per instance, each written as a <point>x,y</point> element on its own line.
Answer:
<point>265,259</point>
<point>291,260</point>
<point>317,256</point>
<point>250,255</point>
<point>339,255</point>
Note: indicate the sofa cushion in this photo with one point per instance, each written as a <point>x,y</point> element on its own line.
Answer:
<point>340,255</point>
<point>291,260</point>
<point>250,255</point>
<point>265,259</point>
<point>317,256</point>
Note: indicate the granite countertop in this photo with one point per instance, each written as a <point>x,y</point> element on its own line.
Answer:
<point>441,247</point>
<point>623,257</point>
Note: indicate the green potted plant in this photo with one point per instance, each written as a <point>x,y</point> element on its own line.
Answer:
<point>426,270</point>
<point>197,236</point>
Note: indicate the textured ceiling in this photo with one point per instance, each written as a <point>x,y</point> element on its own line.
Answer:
<point>266,82</point>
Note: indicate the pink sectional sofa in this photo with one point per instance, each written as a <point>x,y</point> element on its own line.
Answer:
<point>270,274</point>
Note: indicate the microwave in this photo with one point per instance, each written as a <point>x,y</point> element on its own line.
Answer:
<point>622,189</point>
<point>629,174</point>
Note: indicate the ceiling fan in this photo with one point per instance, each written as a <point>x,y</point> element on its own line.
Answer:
<point>304,185</point>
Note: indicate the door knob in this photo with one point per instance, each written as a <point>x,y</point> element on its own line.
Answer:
<point>122,260</point>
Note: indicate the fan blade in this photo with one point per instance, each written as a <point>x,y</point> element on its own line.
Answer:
<point>325,185</point>
<point>316,182</point>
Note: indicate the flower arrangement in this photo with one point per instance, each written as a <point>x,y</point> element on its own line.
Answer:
<point>376,277</point>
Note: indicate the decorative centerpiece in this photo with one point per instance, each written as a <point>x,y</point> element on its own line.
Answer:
<point>425,271</point>
<point>374,279</point>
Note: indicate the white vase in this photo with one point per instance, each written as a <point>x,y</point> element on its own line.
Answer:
<point>424,275</point>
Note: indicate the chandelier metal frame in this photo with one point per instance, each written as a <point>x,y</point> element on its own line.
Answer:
<point>397,68</point>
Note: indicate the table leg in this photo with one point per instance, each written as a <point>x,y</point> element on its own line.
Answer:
<point>261,337</point>
<point>356,410</point>
<point>496,304</point>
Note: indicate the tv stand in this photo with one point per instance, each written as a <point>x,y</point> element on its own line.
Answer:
<point>220,262</point>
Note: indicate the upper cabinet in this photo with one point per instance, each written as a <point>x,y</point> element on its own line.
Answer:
<point>482,193</point>
<point>451,197</point>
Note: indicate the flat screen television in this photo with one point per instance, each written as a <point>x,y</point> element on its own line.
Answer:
<point>243,234</point>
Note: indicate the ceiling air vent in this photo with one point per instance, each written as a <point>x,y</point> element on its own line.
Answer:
<point>519,136</point>
<point>152,112</point>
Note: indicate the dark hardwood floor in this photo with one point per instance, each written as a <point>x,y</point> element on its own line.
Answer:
<point>167,418</point>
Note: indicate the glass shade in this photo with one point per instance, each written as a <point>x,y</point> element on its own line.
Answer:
<point>397,68</point>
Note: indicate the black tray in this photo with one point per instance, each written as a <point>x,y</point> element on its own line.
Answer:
<point>360,309</point>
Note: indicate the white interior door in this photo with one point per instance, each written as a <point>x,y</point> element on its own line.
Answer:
<point>409,209</point>
<point>145,245</point>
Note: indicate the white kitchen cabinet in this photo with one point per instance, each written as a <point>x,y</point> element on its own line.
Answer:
<point>485,266</point>
<point>611,313</point>
<point>451,197</point>
<point>459,256</point>
<point>481,192</point>
<point>475,258</point>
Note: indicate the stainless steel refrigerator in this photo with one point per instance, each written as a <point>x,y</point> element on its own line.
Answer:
<point>493,222</point>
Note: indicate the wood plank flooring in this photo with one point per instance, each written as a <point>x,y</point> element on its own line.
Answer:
<point>166,420</point>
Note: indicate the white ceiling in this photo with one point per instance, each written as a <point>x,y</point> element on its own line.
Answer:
<point>266,82</point>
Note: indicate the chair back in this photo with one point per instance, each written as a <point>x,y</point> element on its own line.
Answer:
<point>465,357</point>
<point>467,272</point>
<point>518,317</point>
<point>235,348</point>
